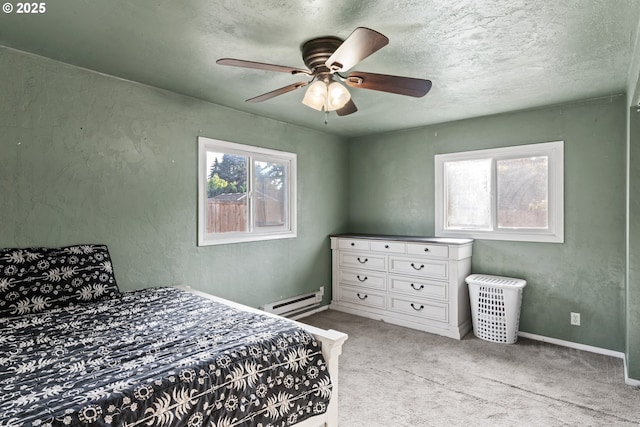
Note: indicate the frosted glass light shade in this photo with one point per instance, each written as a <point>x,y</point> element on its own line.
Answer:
<point>316,95</point>
<point>338,96</point>
<point>331,97</point>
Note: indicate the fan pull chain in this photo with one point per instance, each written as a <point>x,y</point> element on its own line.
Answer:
<point>326,117</point>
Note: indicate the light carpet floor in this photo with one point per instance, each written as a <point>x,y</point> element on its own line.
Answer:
<point>393,376</point>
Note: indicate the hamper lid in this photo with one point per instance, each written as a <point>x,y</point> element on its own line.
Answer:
<point>496,281</point>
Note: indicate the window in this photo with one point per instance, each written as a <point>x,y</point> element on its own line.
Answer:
<point>512,193</point>
<point>245,193</point>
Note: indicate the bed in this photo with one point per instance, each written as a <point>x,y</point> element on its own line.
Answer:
<point>76,351</point>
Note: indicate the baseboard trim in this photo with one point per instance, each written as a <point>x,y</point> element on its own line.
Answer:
<point>630,381</point>
<point>571,344</point>
<point>617,354</point>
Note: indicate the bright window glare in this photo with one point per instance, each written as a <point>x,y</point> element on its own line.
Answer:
<point>468,194</point>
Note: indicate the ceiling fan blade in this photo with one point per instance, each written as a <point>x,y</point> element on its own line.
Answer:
<point>349,108</point>
<point>393,84</point>
<point>277,92</point>
<point>261,66</point>
<point>360,44</point>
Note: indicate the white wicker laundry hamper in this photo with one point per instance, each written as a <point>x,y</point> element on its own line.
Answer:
<point>495,307</point>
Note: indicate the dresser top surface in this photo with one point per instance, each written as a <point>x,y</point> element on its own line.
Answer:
<point>417,239</point>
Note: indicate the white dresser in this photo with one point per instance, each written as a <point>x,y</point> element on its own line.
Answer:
<point>416,282</point>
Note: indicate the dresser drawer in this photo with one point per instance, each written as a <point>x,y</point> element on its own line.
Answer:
<point>419,288</point>
<point>357,244</point>
<point>369,279</point>
<point>420,267</point>
<point>386,246</point>
<point>439,251</point>
<point>418,307</point>
<point>362,297</point>
<point>363,260</point>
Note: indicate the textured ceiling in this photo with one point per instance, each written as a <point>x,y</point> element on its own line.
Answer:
<point>483,56</point>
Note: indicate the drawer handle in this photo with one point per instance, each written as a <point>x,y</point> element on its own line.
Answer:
<point>363,262</point>
<point>417,268</point>
<point>417,289</point>
<point>426,249</point>
<point>364,297</point>
<point>386,246</point>
<point>353,244</point>
<point>417,308</point>
<point>362,280</point>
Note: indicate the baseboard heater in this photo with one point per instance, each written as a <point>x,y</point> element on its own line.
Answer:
<point>297,306</point>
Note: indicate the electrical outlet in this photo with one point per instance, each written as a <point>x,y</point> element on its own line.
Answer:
<point>575,319</point>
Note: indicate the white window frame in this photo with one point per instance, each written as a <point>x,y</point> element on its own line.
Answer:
<point>554,233</point>
<point>288,231</point>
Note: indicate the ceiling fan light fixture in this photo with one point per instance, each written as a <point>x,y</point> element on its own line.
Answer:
<point>338,96</point>
<point>331,96</point>
<point>316,95</point>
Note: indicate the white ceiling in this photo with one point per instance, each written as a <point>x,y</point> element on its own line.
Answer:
<point>483,56</point>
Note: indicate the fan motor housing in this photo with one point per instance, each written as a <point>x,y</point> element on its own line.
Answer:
<point>315,52</point>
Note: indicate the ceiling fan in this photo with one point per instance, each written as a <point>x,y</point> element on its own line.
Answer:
<point>326,58</point>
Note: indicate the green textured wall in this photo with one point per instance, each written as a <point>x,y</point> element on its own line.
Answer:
<point>90,158</point>
<point>392,192</point>
<point>633,283</point>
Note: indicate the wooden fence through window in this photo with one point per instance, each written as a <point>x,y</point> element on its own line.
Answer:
<point>231,215</point>
<point>225,215</point>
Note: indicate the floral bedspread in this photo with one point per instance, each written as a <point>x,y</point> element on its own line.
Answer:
<point>160,357</point>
